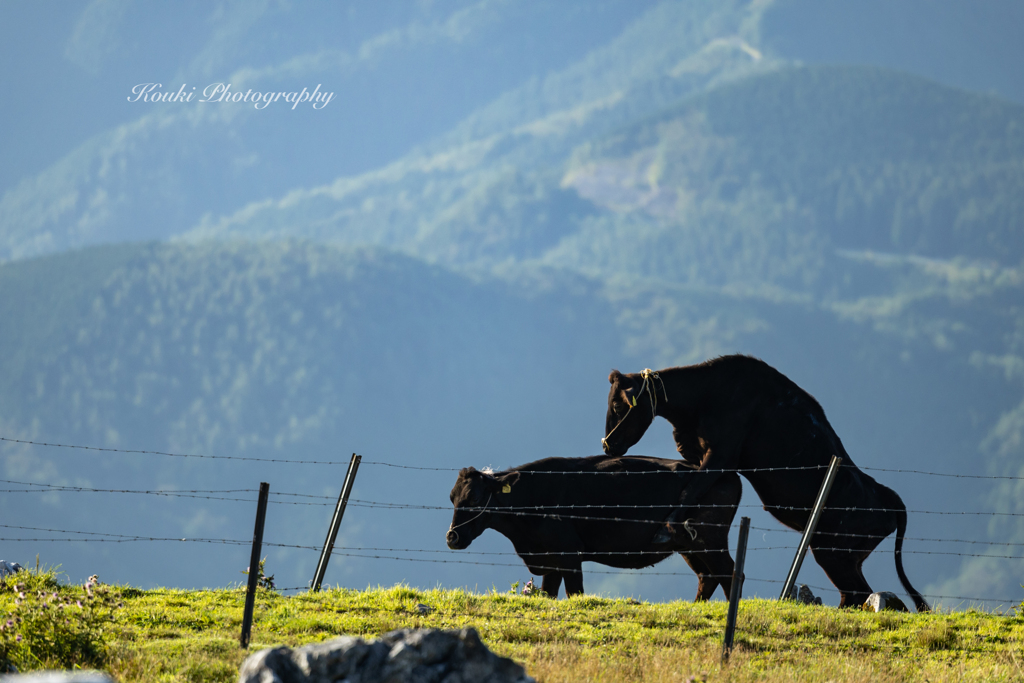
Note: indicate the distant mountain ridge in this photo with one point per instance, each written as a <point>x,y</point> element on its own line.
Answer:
<point>883,162</point>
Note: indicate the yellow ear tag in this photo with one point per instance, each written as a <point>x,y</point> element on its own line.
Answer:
<point>506,489</point>
<point>634,401</point>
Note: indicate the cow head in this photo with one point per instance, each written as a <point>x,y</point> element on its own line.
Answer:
<point>475,495</point>
<point>630,412</point>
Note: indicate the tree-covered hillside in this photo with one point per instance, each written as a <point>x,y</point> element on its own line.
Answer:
<point>440,269</point>
<point>257,346</point>
<point>291,351</point>
<point>757,181</point>
<point>296,351</point>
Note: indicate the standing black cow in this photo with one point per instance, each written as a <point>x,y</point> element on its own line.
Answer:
<point>739,413</point>
<point>560,512</point>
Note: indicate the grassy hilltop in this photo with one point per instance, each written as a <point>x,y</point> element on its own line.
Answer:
<point>174,635</point>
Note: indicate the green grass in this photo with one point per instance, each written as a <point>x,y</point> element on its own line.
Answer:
<point>176,635</point>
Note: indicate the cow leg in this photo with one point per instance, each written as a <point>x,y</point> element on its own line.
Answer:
<point>713,569</point>
<point>551,583</point>
<point>858,597</point>
<point>706,584</point>
<point>720,569</point>
<point>573,580</point>
<point>844,569</point>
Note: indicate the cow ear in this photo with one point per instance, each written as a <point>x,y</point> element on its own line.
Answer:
<point>614,377</point>
<point>508,481</point>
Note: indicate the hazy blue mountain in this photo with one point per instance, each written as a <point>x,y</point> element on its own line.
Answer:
<point>165,165</point>
<point>726,186</point>
<point>291,351</point>
<point>502,202</point>
<point>403,75</point>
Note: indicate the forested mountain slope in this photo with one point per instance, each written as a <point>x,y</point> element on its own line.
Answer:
<point>450,285</point>
<point>297,351</point>
<point>727,186</point>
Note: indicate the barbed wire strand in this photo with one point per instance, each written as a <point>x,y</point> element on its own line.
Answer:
<point>540,510</point>
<point>173,455</point>
<point>536,510</point>
<point>127,538</point>
<point>456,469</point>
<point>361,554</point>
<point>44,488</point>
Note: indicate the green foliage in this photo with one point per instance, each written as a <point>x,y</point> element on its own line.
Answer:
<point>51,625</point>
<point>32,580</point>
<point>262,580</point>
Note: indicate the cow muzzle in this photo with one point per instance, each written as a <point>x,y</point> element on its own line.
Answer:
<point>452,538</point>
<point>612,450</point>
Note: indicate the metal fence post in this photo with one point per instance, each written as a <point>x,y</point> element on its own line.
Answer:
<point>254,563</point>
<point>812,524</point>
<point>737,588</point>
<point>339,512</point>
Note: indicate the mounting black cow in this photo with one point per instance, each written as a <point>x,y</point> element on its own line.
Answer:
<point>560,512</point>
<point>739,413</point>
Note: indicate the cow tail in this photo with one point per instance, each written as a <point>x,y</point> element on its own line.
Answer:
<point>901,528</point>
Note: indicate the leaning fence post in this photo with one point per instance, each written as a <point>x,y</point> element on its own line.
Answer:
<point>254,563</point>
<point>339,512</point>
<point>812,524</point>
<point>736,589</point>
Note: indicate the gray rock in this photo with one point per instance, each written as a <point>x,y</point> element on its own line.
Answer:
<point>8,568</point>
<point>884,600</point>
<point>58,677</point>
<point>803,594</point>
<point>414,655</point>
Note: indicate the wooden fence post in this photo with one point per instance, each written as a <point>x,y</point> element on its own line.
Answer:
<point>254,563</point>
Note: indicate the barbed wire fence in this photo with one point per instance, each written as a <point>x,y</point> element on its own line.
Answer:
<point>17,533</point>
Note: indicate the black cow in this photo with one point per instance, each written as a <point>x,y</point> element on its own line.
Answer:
<point>560,512</point>
<point>738,412</point>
